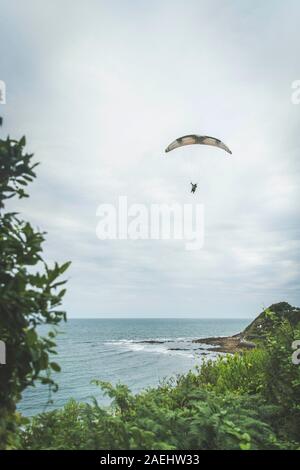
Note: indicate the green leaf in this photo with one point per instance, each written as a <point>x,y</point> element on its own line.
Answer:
<point>22,141</point>
<point>54,366</point>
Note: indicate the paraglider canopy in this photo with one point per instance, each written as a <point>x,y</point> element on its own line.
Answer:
<point>197,139</point>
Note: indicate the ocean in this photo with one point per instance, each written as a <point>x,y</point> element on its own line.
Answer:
<point>137,352</point>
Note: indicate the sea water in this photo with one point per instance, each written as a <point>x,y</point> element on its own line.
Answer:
<point>137,352</point>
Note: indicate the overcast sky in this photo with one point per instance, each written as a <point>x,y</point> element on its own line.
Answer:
<point>100,88</point>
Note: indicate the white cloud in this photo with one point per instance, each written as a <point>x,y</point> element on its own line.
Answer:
<point>101,88</point>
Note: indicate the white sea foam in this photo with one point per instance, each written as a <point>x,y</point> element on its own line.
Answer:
<point>169,346</point>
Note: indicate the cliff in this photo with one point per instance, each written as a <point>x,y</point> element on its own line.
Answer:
<point>261,323</point>
<point>254,332</point>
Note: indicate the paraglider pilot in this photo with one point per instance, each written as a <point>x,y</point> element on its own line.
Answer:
<point>194,187</point>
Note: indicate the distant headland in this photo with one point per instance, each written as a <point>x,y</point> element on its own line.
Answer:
<point>253,333</point>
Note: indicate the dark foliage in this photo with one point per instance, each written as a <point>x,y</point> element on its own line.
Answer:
<point>30,293</point>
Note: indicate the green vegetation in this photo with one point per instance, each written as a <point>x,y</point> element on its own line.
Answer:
<point>249,401</point>
<point>28,297</point>
<point>263,322</point>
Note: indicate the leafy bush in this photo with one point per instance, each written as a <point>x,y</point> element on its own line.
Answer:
<point>27,298</point>
<point>157,420</point>
<point>236,374</point>
<point>226,404</point>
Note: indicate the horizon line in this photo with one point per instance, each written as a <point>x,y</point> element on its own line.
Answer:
<point>159,318</point>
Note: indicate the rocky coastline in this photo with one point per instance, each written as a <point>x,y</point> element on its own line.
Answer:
<point>244,340</point>
<point>226,344</point>
<point>253,333</point>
